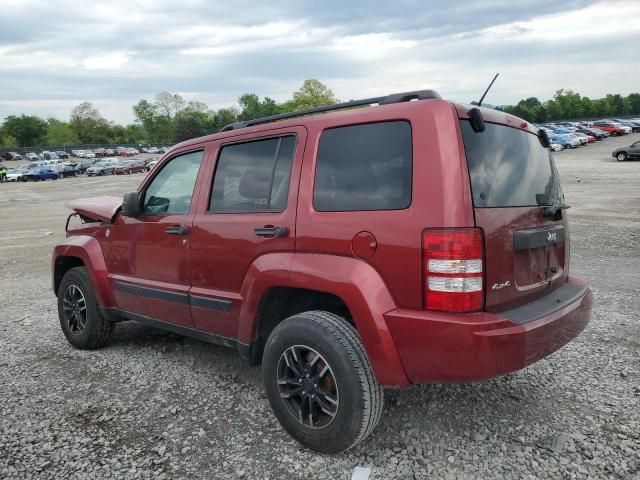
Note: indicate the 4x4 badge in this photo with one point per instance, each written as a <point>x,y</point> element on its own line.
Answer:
<point>500,286</point>
<point>552,237</point>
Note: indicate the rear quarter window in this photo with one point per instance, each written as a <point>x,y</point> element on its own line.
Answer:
<point>508,167</point>
<point>364,167</point>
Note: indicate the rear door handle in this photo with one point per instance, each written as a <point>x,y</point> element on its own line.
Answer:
<point>268,231</point>
<point>177,230</point>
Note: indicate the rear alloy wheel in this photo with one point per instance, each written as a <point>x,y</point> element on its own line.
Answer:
<point>80,318</point>
<point>319,382</point>
<point>621,157</point>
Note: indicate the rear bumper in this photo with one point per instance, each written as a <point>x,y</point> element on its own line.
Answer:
<point>441,347</point>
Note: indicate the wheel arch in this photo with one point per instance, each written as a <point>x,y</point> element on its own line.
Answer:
<point>279,283</point>
<point>83,250</point>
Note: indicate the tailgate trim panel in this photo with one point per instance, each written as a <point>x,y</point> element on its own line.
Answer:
<point>554,301</point>
<point>538,237</point>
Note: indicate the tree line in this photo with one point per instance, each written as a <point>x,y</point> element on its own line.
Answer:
<point>166,119</point>
<point>569,105</point>
<point>169,118</point>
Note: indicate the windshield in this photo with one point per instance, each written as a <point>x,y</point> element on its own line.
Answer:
<point>508,167</point>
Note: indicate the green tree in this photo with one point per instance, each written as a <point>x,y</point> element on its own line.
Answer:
<point>252,107</point>
<point>634,103</point>
<point>89,125</point>
<point>223,117</point>
<point>60,133</point>
<point>26,130</point>
<point>7,140</point>
<point>313,93</point>
<point>189,123</point>
<point>145,113</point>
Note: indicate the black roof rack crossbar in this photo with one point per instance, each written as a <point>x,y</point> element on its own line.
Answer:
<point>385,100</point>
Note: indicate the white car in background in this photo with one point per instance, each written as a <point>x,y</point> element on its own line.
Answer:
<point>32,157</point>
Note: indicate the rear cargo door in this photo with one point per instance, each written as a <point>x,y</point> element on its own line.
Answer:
<point>518,203</point>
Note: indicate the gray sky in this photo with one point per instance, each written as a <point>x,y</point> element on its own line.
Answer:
<point>56,54</point>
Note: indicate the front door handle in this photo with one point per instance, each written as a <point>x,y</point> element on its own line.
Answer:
<point>177,230</point>
<point>269,231</point>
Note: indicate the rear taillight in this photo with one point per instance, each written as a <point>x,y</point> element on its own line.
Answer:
<point>453,269</point>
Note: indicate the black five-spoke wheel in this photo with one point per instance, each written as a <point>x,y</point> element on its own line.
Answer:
<point>319,381</point>
<point>81,320</point>
<point>75,309</point>
<point>308,386</point>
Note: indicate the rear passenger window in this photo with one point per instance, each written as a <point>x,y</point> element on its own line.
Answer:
<point>253,176</point>
<point>364,167</point>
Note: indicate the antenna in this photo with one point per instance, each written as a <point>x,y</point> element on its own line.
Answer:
<point>487,90</point>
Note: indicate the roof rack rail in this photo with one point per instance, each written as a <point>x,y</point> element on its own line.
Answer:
<point>385,100</point>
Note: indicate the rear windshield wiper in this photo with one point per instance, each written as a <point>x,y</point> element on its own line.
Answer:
<point>554,211</point>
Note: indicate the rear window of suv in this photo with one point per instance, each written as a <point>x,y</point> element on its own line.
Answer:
<point>364,167</point>
<point>508,167</point>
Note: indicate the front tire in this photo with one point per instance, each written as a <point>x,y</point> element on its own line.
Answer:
<point>80,318</point>
<point>319,382</point>
<point>621,157</point>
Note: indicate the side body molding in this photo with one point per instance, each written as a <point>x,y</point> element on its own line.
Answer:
<point>87,249</point>
<point>356,282</point>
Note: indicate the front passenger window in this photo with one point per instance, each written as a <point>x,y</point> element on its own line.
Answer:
<point>172,188</point>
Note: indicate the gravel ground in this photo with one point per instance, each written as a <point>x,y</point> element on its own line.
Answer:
<point>156,405</point>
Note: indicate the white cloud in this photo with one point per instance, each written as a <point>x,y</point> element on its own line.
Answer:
<point>117,51</point>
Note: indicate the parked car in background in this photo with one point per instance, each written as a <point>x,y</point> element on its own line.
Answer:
<point>31,157</point>
<point>88,154</point>
<point>152,150</point>
<point>49,156</point>
<point>62,154</point>
<point>129,152</point>
<point>11,156</point>
<point>597,135</point>
<point>65,170</point>
<point>102,167</point>
<point>151,164</point>
<point>109,152</point>
<point>100,152</point>
<point>77,153</point>
<point>85,163</point>
<point>566,140</point>
<point>627,153</point>
<point>38,174</point>
<point>611,128</point>
<point>130,166</point>
<point>634,126</point>
<point>14,175</point>
<point>163,149</point>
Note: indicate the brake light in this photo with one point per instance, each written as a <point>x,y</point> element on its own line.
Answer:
<point>453,269</point>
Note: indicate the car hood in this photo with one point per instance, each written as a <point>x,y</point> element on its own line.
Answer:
<point>103,209</point>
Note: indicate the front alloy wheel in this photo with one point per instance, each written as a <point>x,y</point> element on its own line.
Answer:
<point>75,309</point>
<point>621,157</point>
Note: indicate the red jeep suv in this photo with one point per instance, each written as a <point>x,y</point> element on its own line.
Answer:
<point>345,249</point>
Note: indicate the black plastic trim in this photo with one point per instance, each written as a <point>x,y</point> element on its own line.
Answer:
<point>159,294</point>
<point>556,300</point>
<point>538,237</point>
<point>243,348</point>
<point>217,304</point>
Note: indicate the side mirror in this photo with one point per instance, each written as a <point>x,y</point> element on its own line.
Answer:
<point>131,205</point>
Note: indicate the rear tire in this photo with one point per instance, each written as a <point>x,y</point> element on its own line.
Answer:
<point>344,403</point>
<point>80,318</point>
<point>621,157</point>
